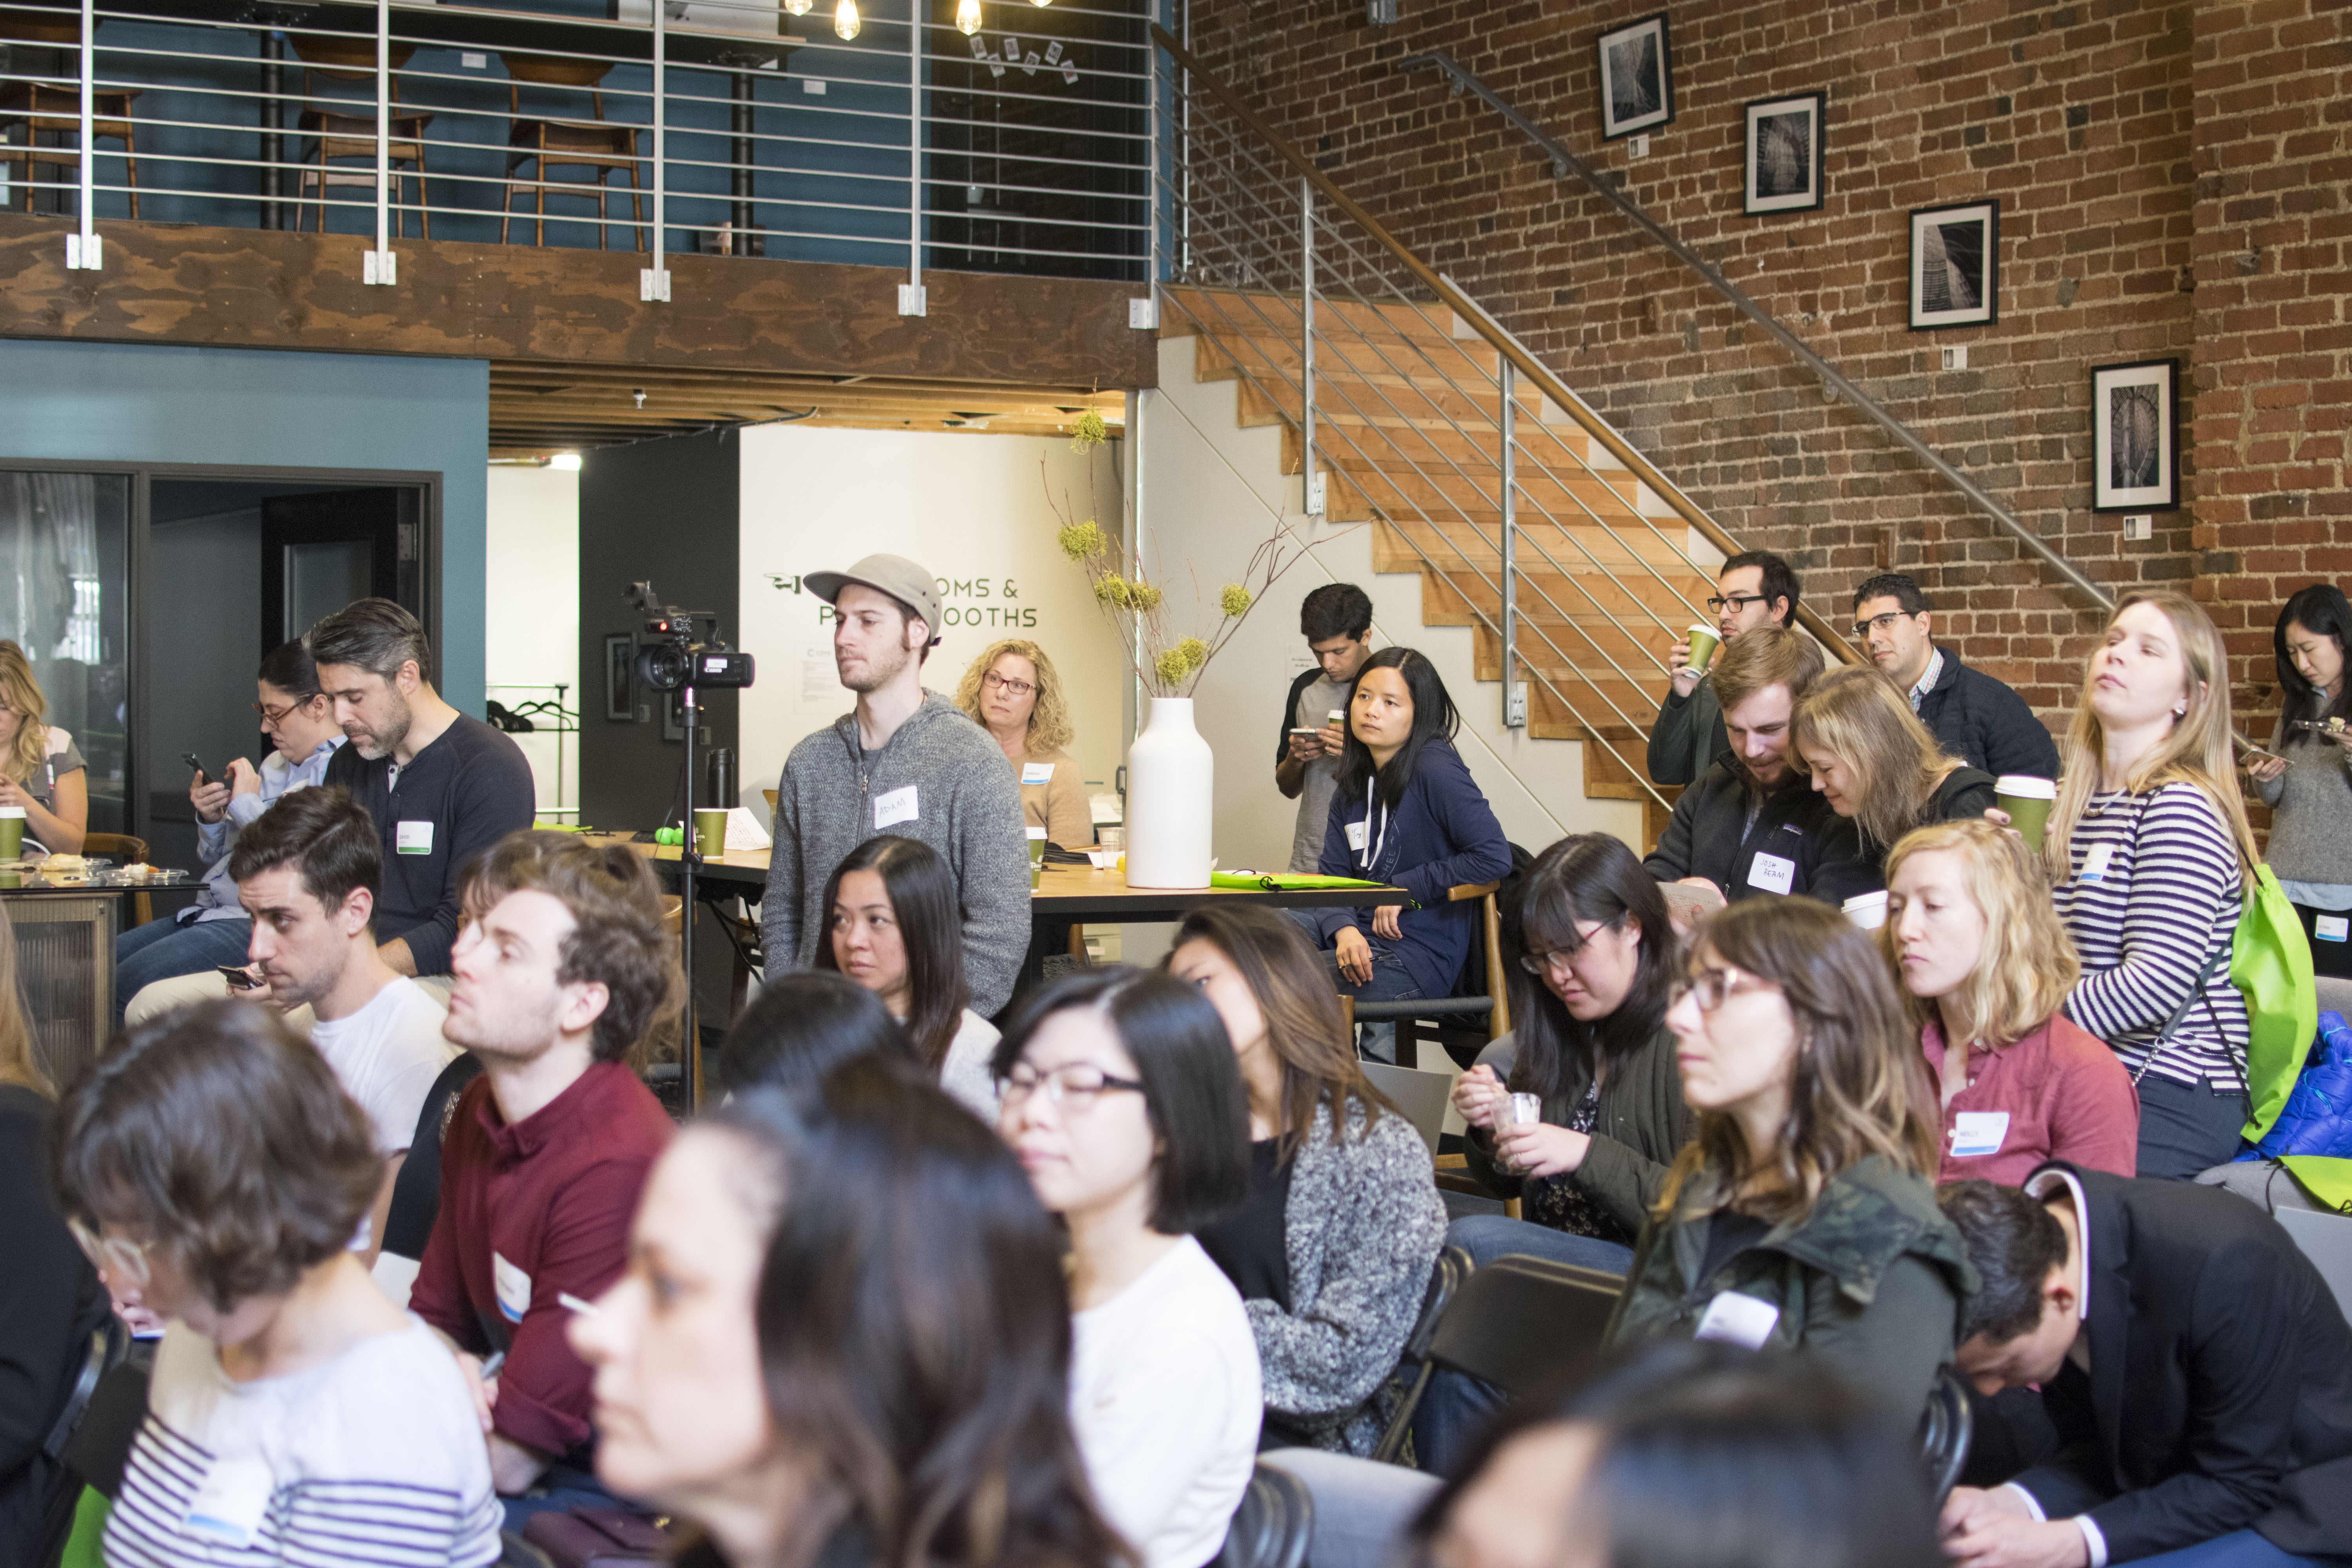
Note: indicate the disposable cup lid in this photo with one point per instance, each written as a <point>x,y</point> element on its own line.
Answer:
<point>12,811</point>
<point>2025,786</point>
<point>1864,901</point>
<point>1036,833</point>
<point>1705,629</point>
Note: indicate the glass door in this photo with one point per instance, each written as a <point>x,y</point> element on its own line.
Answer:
<point>65,589</point>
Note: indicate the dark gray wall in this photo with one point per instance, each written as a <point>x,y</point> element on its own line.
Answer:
<point>668,511</point>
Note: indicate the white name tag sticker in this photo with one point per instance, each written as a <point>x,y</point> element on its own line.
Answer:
<point>229,1504</point>
<point>1976,1133</point>
<point>1036,772</point>
<point>2332,928</point>
<point>896,806</point>
<point>1771,874</point>
<point>413,838</point>
<point>1356,837</point>
<point>513,1286</point>
<point>1737,1319</point>
<point>2094,864</point>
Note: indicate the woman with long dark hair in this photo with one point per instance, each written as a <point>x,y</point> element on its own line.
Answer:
<point>1123,1102</point>
<point>2307,781</point>
<point>1803,1215</point>
<point>843,1342</point>
<point>897,929</point>
<point>1406,811</point>
<point>803,1026</point>
<point>1331,1246</point>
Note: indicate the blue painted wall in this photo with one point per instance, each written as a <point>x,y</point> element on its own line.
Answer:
<point>101,403</point>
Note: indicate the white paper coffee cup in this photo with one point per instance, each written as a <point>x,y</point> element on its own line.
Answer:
<point>1867,910</point>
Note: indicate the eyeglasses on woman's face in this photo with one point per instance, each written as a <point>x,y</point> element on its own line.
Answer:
<point>1074,1086</point>
<point>119,1255</point>
<point>1558,960</point>
<point>1711,986</point>
<point>1007,684</point>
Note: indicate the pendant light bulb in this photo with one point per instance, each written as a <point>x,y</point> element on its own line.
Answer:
<point>844,19</point>
<point>966,17</point>
<point>1040,5</point>
<point>798,7</point>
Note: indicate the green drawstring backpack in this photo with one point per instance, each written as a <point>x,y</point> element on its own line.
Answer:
<point>2270,963</point>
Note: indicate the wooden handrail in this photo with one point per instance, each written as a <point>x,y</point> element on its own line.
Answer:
<point>1502,341</point>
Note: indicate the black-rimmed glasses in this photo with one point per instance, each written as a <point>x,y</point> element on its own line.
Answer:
<point>1735,603</point>
<point>1074,1088</point>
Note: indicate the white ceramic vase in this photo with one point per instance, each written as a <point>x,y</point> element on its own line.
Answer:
<point>1170,774</point>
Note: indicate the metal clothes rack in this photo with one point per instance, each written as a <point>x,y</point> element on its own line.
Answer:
<point>565,723</point>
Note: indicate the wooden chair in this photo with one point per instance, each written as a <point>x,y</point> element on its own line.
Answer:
<point>1486,954</point>
<point>597,145</point>
<point>123,850</point>
<point>52,109</point>
<point>344,129</point>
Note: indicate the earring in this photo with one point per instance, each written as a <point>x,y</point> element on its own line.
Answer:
<point>2181,711</point>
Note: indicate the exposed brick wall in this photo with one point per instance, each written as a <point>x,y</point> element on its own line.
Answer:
<point>2084,119</point>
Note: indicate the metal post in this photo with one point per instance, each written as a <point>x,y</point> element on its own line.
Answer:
<point>1152,175</point>
<point>383,131</point>
<point>81,249</point>
<point>689,861</point>
<point>739,176</point>
<point>1514,710</point>
<point>1184,127</point>
<point>914,147</point>
<point>661,150</point>
<point>1311,500</point>
<point>273,121</point>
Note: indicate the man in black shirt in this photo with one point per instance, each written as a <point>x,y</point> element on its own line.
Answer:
<point>441,786</point>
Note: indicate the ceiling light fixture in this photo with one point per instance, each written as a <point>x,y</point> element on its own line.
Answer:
<point>968,16</point>
<point>568,461</point>
<point>844,19</point>
<point>798,7</point>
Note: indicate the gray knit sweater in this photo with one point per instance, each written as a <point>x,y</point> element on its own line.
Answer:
<point>965,805</point>
<point>2311,820</point>
<point>1362,1226</point>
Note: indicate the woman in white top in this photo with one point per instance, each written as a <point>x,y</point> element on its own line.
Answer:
<point>215,1173</point>
<point>40,767</point>
<point>896,928</point>
<point>1122,1099</point>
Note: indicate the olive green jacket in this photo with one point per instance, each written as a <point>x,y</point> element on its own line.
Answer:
<point>1873,1282</point>
<point>1642,1125</point>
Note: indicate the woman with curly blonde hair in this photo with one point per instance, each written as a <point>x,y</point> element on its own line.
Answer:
<point>40,767</point>
<point>1012,692</point>
<point>1985,967</point>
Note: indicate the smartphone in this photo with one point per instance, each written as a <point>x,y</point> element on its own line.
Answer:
<point>238,977</point>
<point>189,757</point>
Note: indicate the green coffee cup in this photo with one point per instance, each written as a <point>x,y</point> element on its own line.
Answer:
<point>1704,640</point>
<point>12,832</point>
<point>2027,800</point>
<point>710,831</point>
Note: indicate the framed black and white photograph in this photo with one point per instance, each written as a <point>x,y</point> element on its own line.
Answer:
<point>1784,154</point>
<point>620,677</point>
<point>1955,266</point>
<point>1637,79</point>
<point>2135,466</point>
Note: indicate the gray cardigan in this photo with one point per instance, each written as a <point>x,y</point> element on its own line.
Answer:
<point>1644,1124</point>
<point>1361,1227</point>
<point>2311,828</point>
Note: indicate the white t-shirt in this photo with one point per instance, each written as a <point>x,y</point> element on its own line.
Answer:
<point>387,1055</point>
<point>1165,1402</point>
<point>374,1457</point>
<point>964,1073</point>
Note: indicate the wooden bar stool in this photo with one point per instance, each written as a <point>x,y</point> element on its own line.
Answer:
<point>55,108</point>
<point>341,135</point>
<point>598,145</point>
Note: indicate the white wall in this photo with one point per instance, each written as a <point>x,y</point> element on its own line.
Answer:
<point>1212,491</point>
<point>972,509</point>
<point>531,623</point>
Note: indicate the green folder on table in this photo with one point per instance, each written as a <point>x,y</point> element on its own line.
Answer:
<point>1284,881</point>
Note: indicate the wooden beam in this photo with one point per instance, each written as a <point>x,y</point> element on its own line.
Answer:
<point>269,289</point>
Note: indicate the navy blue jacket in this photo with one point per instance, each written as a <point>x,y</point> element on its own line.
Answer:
<point>1442,835</point>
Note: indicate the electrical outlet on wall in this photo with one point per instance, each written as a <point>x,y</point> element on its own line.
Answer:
<point>1957,357</point>
<point>1639,147</point>
<point>2139,526</point>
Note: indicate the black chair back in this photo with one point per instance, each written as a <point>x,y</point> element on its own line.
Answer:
<point>1524,1323</point>
<point>1274,1526</point>
<point>1944,1433</point>
<point>1445,1276</point>
<point>416,1191</point>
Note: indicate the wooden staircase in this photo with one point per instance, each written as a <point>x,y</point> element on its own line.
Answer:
<point>1407,417</point>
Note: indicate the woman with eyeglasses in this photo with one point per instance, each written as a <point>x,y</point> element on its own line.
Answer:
<point>41,769</point>
<point>1012,692</point>
<point>1331,1246</point>
<point>897,929</point>
<point>215,1173</point>
<point>1405,811</point>
<point>301,723</point>
<point>1122,1101</point>
<point>1802,1217</point>
<point>1876,763</point>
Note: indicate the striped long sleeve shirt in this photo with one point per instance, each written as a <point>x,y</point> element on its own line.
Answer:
<point>2153,895</point>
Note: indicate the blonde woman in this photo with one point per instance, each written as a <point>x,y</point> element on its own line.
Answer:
<point>1985,969</point>
<point>1012,692</point>
<point>1873,762</point>
<point>2150,852</point>
<point>1801,1217</point>
<point>40,768</point>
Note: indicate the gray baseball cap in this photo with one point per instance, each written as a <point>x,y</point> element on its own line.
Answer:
<point>895,576</point>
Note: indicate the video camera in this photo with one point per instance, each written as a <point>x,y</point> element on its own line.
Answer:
<point>682,661</point>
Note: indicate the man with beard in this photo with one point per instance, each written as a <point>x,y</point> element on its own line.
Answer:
<point>560,981</point>
<point>906,762</point>
<point>441,786</point>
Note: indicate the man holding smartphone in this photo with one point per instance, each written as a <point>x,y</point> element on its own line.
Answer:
<point>1337,622</point>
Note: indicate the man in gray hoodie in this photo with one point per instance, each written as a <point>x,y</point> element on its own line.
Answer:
<point>906,762</point>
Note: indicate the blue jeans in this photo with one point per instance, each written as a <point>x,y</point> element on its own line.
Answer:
<point>1391,982</point>
<point>1362,1508</point>
<point>160,950</point>
<point>2238,1548</point>
<point>1456,1405</point>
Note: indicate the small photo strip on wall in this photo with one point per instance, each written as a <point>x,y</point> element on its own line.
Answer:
<point>1784,154</point>
<point>1637,79</point>
<point>2135,464</point>
<point>1955,266</point>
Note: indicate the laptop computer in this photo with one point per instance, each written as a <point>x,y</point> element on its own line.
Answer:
<point>1421,1096</point>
